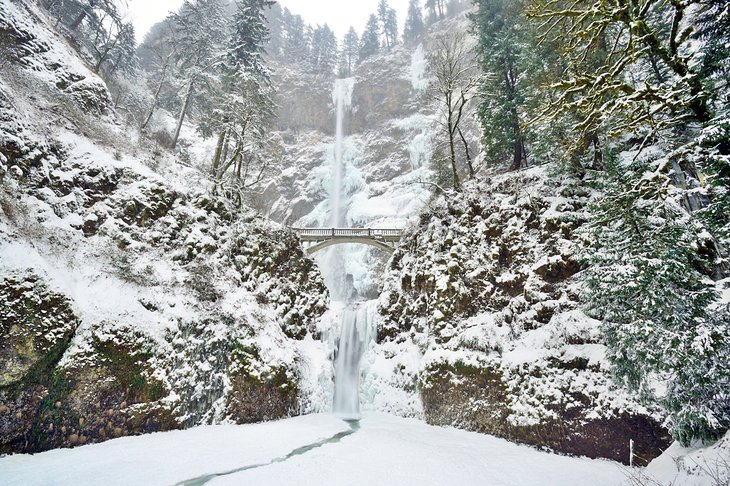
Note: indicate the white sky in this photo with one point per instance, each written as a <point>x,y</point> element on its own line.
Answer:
<point>338,14</point>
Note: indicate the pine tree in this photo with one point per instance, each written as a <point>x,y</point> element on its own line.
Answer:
<point>244,108</point>
<point>388,24</point>
<point>390,27</point>
<point>647,283</point>
<point>501,111</point>
<point>414,26</point>
<point>296,43</point>
<point>370,40</point>
<point>436,10</point>
<point>349,53</point>
<point>250,34</point>
<point>199,35</point>
<point>713,29</point>
<point>323,53</point>
<point>275,21</point>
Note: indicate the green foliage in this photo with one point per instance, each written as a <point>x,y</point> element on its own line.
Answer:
<point>415,25</point>
<point>713,28</point>
<point>348,56</point>
<point>250,33</point>
<point>650,287</point>
<point>500,50</point>
<point>712,155</point>
<point>370,40</point>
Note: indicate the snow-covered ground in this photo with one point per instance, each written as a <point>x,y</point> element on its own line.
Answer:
<point>384,450</point>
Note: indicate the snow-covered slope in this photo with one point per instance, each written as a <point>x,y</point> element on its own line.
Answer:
<point>177,307</point>
<point>384,450</point>
<point>480,318</point>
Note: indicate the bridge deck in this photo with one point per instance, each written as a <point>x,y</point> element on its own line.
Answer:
<point>325,234</point>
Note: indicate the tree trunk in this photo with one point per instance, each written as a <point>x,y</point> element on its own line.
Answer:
<point>217,158</point>
<point>452,153</point>
<point>519,154</point>
<point>155,98</point>
<point>181,118</point>
<point>468,154</point>
<point>75,24</point>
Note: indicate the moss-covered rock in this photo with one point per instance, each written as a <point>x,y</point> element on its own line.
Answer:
<point>36,326</point>
<point>259,395</point>
<point>477,397</point>
<point>108,392</point>
<point>492,276</point>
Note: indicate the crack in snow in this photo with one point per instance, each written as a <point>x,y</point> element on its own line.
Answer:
<point>354,427</point>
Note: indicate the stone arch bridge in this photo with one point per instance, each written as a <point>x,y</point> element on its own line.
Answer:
<point>321,238</point>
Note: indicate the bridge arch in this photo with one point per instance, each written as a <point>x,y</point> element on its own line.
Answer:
<point>321,238</point>
<point>341,241</point>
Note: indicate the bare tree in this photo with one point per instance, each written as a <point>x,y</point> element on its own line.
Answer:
<point>163,50</point>
<point>453,64</point>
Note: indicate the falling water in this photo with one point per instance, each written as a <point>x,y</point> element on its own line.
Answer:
<point>352,340</point>
<point>354,327</point>
<point>339,94</point>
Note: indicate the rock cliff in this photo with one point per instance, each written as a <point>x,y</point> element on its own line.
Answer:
<point>131,300</point>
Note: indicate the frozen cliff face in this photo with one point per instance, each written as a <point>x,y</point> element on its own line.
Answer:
<point>130,299</point>
<point>390,133</point>
<point>387,143</point>
<point>482,298</point>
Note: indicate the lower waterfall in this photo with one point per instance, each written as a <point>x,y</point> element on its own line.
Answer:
<point>354,337</point>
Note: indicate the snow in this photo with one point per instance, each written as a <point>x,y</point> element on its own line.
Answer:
<point>169,457</point>
<point>419,64</point>
<point>703,465</point>
<point>385,450</point>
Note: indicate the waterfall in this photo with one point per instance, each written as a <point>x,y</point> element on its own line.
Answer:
<point>341,95</point>
<point>347,365</point>
<point>354,328</point>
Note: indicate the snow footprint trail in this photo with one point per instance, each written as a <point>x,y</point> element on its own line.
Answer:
<point>299,451</point>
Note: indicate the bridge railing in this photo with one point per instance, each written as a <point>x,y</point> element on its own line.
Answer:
<point>348,232</point>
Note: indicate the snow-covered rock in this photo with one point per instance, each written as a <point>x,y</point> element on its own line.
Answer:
<point>484,288</point>
<point>132,300</point>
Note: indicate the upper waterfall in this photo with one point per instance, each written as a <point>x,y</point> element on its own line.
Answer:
<point>342,99</point>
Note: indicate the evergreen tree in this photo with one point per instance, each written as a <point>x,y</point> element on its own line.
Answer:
<point>390,27</point>
<point>296,41</point>
<point>414,26</point>
<point>713,29</point>
<point>244,109</point>
<point>250,34</point>
<point>436,10</point>
<point>275,21</point>
<point>501,111</point>
<point>370,41</point>
<point>323,53</point>
<point>349,53</point>
<point>388,24</point>
<point>200,31</point>
<point>647,283</point>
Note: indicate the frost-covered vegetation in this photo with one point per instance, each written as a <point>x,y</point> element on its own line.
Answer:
<point>536,294</point>
<point>561,169</point>
<point>134,298</point>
